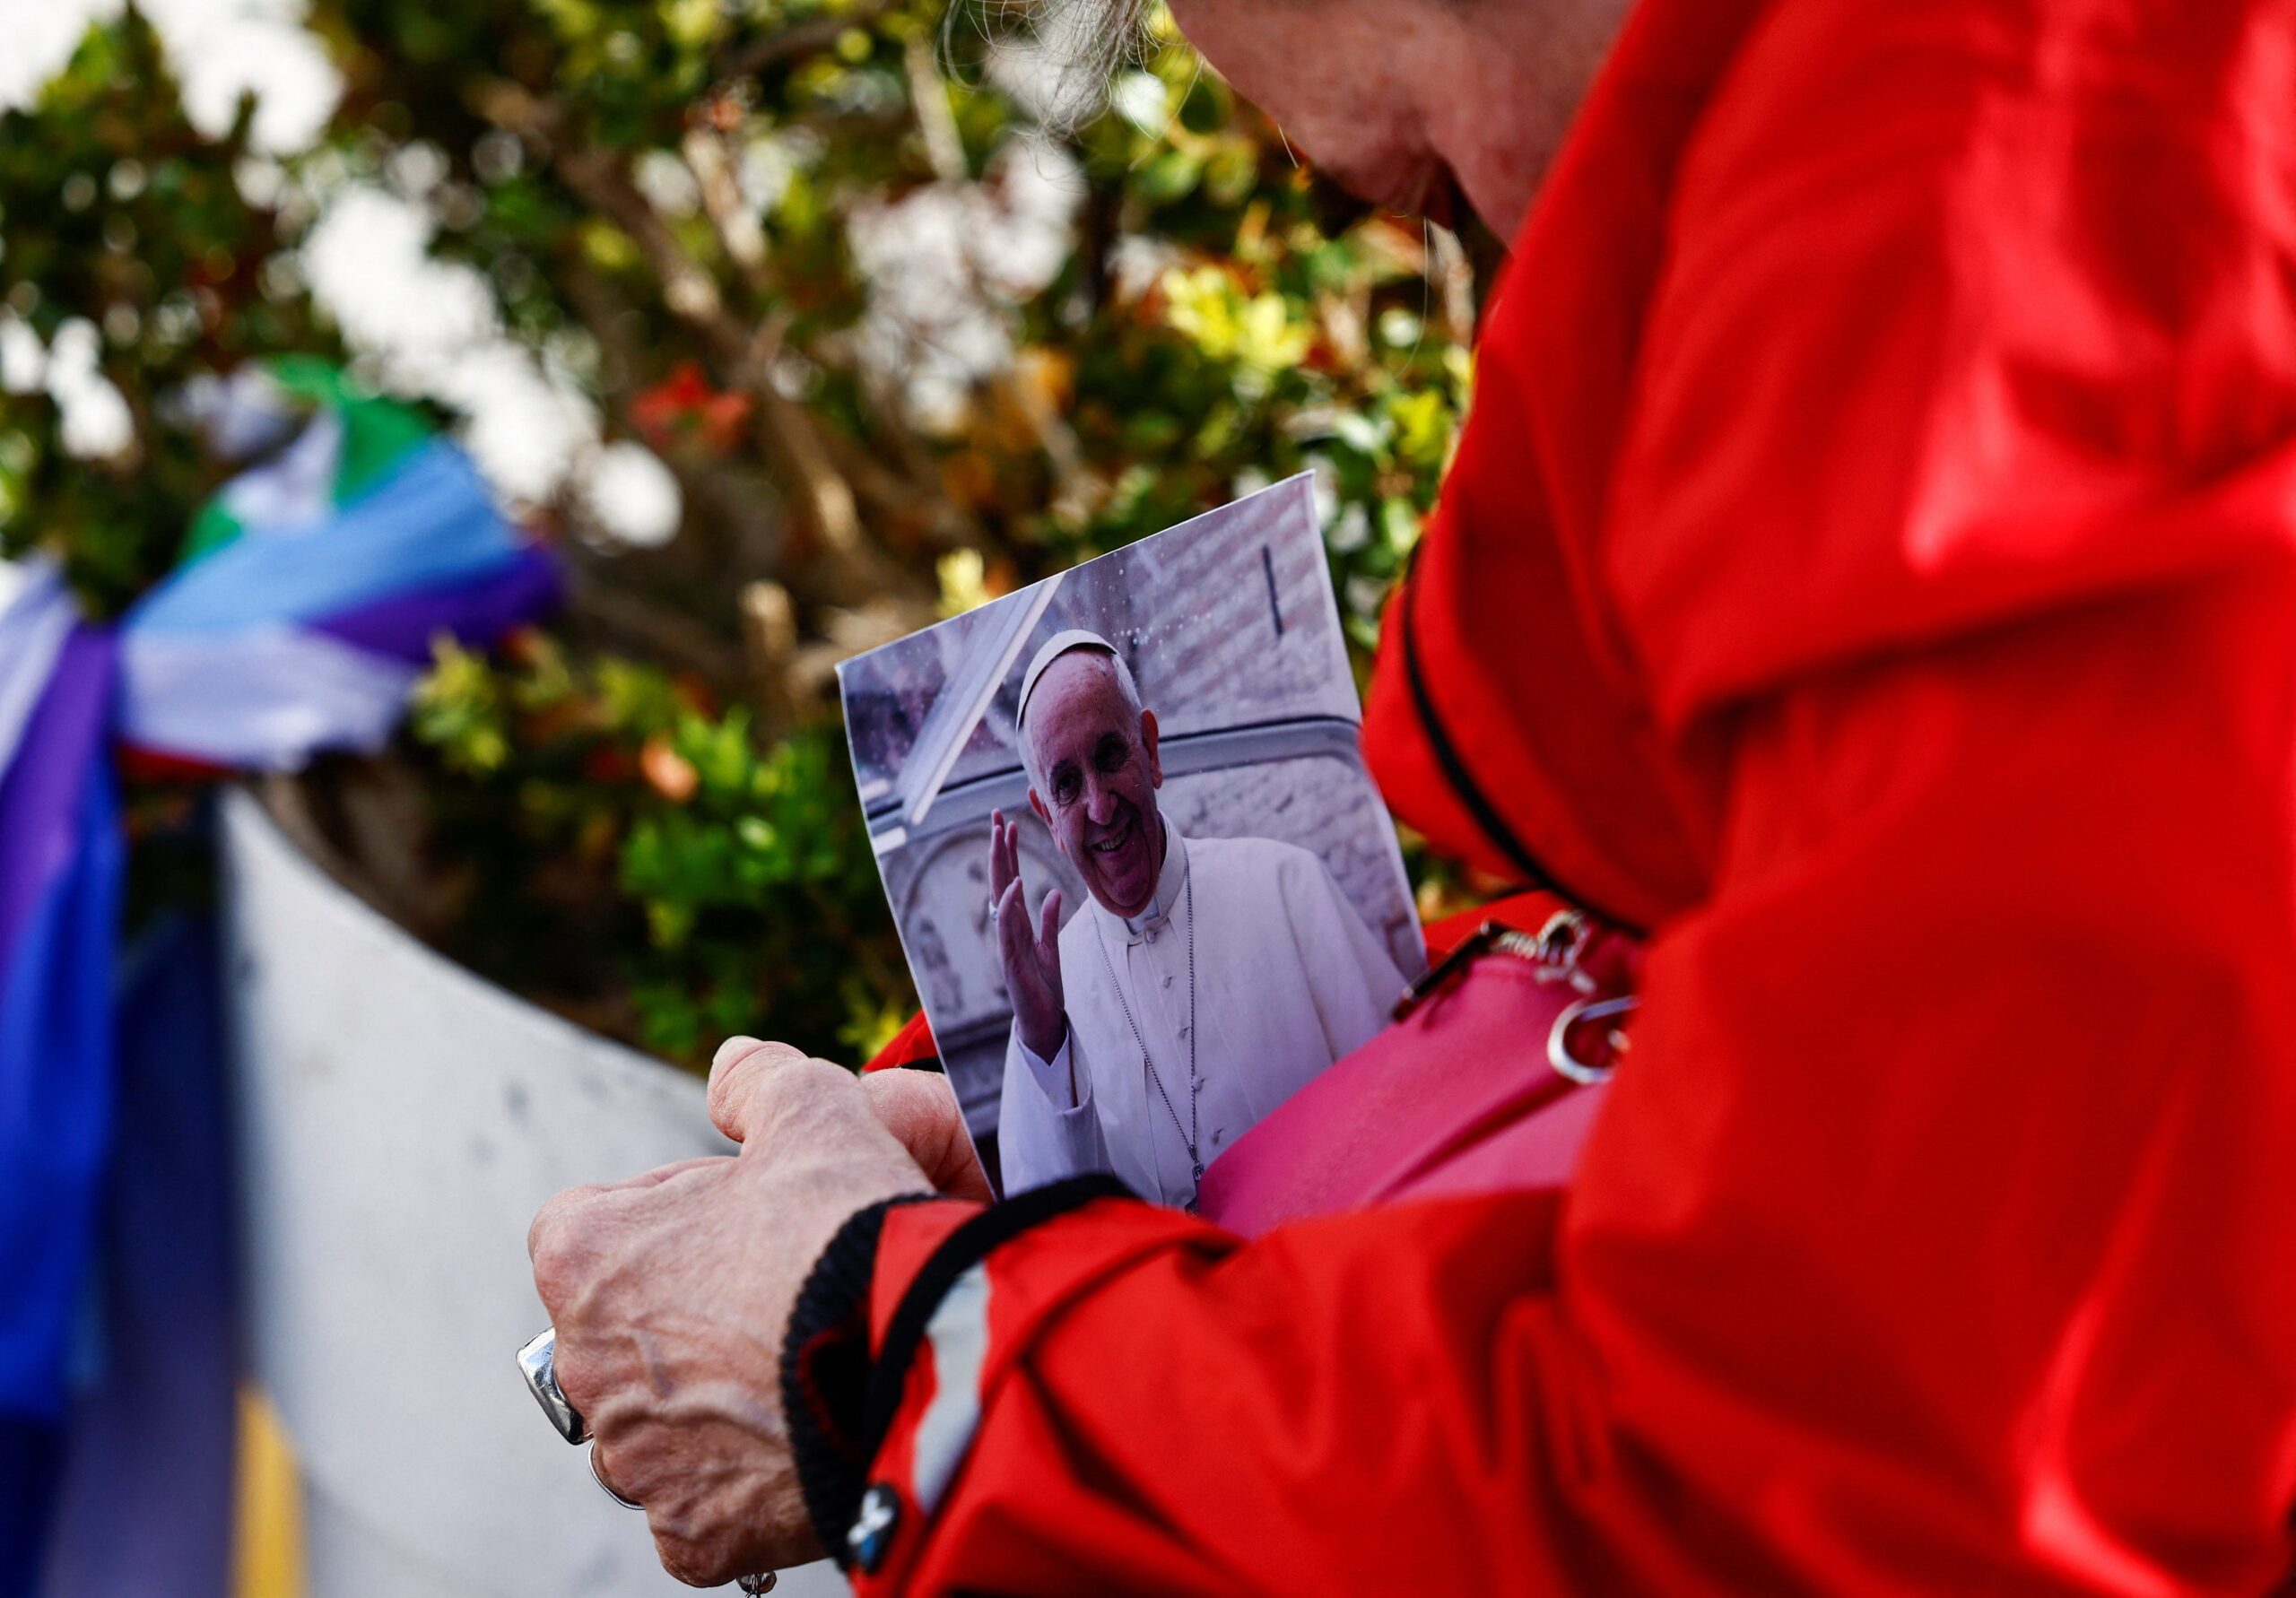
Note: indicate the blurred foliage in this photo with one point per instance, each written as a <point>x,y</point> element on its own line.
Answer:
<point>670,202</point>
<point>128,252</point>
<point>731,880</point>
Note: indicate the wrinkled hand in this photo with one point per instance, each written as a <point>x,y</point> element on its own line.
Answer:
<point>919,1107</point>
<point>1030,955</point>
<point>671,1294</point>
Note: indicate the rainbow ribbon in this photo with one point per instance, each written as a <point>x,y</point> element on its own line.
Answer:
<point>309,598</point>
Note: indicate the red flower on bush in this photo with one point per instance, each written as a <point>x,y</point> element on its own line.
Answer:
<point>684,409</point>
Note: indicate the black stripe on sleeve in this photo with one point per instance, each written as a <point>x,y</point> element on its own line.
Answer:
<point>959,1253</point>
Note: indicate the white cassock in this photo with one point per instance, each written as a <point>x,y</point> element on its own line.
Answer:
<point>1288,979</point>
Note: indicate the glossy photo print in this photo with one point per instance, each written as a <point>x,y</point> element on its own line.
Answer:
<point>1146,887</point>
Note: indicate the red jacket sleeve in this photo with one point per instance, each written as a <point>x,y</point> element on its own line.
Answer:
<point>1936,1236</point>
<point>1163,1409</point>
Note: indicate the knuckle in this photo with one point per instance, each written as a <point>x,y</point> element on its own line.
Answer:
<point>747,1072</point>
<point>822,1076</point>
<point>542,1232</point>
<point>695,1562</point>
<point>810,1099</point>
<point>608,1469</point>
<point>751,1065</point>
<point>805,1084</point>
<point>559,1245</point>
<point>629,1462</point>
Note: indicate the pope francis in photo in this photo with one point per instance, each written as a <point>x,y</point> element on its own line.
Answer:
<point>1207,980</point>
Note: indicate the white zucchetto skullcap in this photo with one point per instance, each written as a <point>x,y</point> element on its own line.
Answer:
<point>1055,647</point>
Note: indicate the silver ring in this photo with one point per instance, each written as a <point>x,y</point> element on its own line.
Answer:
<point>754,1584</point>
<point>601,1476</point>
<point>992,910</point>
<point>538,1363</point>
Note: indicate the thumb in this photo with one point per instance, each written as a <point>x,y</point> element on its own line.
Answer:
<point>1048,931</point>
<point>736,1074</point>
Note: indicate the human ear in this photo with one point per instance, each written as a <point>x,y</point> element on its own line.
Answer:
<point>1148,744</point>
<point>1045,816</point>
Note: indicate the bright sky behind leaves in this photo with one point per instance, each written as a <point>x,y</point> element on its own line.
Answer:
<point>430,327</point>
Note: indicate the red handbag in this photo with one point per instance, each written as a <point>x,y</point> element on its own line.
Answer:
<point>1488,1080</point>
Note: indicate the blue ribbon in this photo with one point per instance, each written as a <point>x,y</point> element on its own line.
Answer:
<point>422,551</point>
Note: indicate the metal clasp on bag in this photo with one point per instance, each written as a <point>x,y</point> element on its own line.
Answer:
<point>1558,1038</point>
<point>1554,951</point>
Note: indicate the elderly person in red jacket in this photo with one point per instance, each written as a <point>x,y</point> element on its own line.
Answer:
<point>1869,567</point>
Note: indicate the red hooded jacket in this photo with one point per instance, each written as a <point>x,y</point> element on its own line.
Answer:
<point>1871,566</point>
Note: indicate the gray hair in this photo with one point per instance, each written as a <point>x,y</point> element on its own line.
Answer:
<point>1126,689</point>
<point>1086,43</point>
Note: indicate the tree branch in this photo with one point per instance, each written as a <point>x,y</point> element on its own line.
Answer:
<point>665,630</point>
<point>799,41</point>
<point>757,533</point>
<point>793,445</point>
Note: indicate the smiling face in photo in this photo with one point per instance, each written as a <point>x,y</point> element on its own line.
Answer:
<point>1094,777</point>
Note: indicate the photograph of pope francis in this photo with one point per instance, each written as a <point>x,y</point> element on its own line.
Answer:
<point>1205,981</point>
<point>1146,890</point>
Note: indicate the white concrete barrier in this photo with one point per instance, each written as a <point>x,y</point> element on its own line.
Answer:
<point>400,1121</point>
